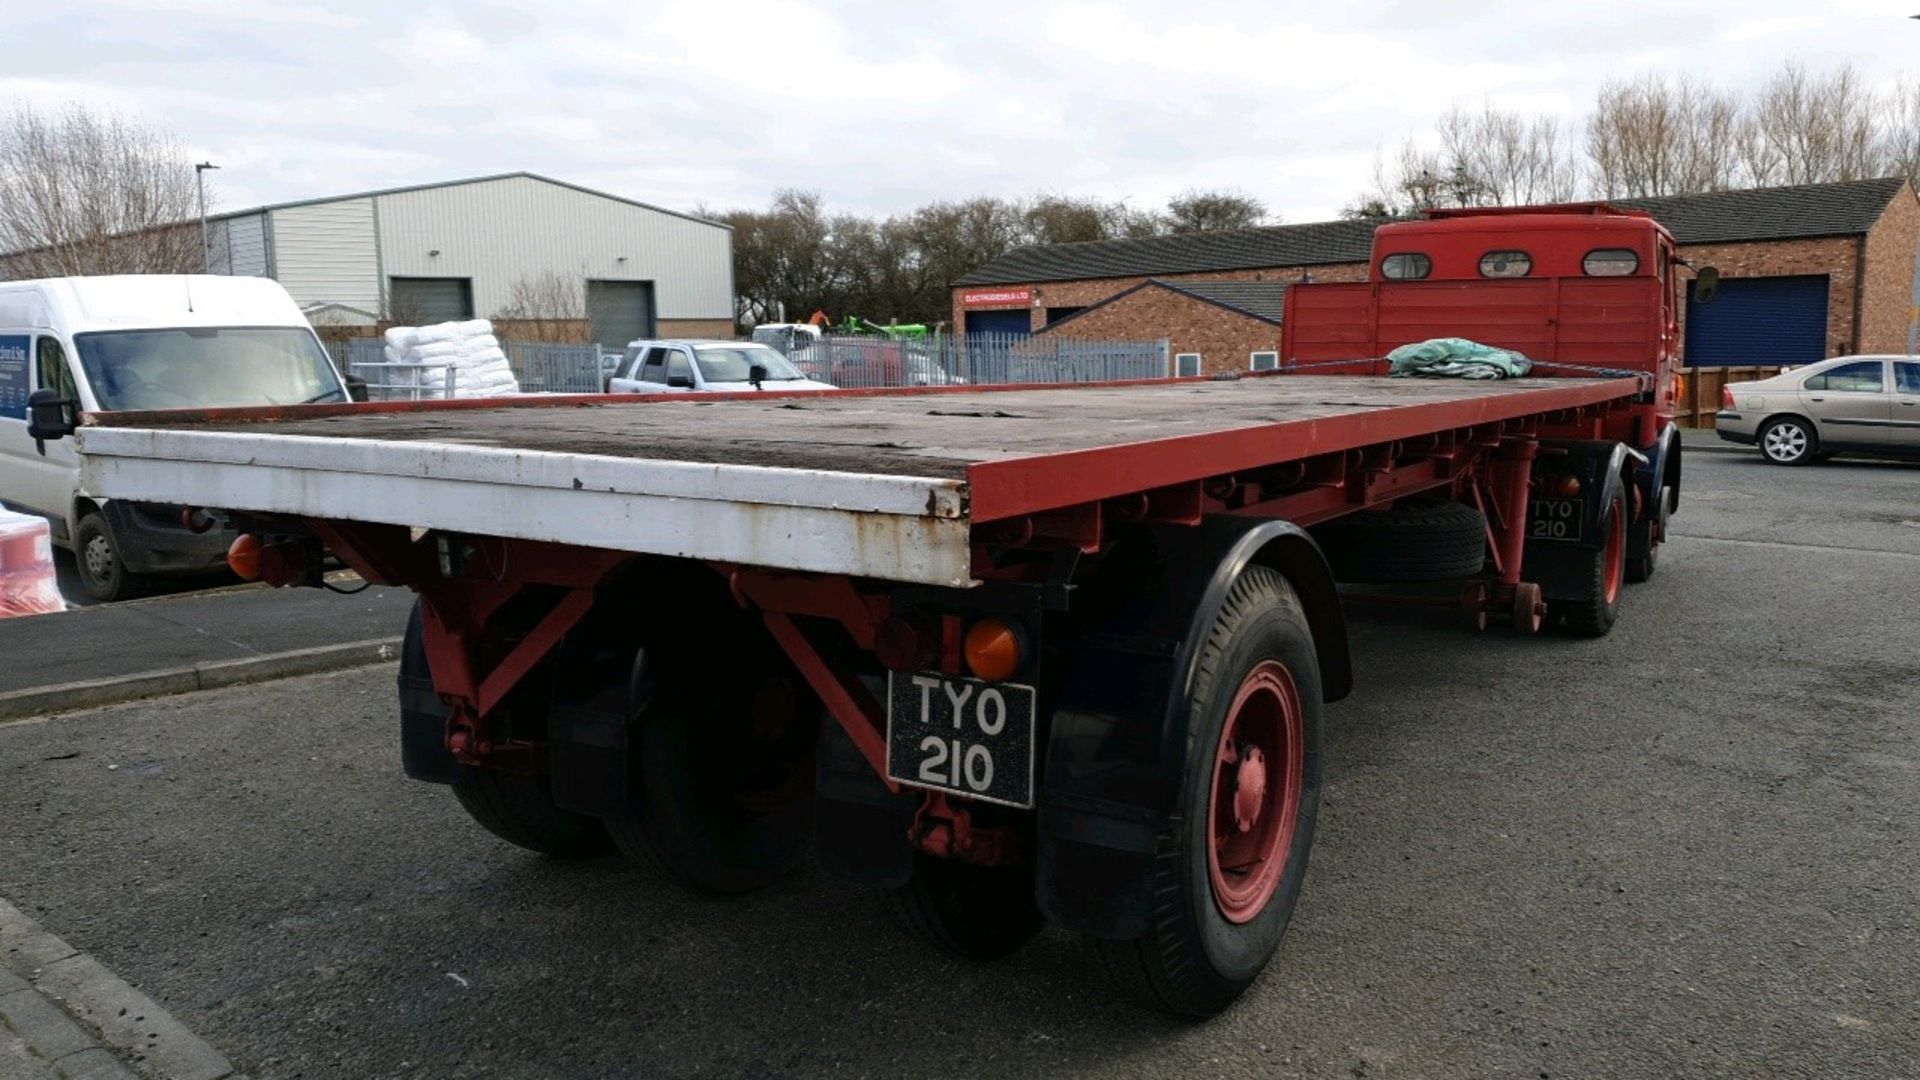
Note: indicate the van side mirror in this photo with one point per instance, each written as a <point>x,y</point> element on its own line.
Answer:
<point>49,416</point>
<point>1706,284</point>
<point>756,374</point>
<point>356,387</point>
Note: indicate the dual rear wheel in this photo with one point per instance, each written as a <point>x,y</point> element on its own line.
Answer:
<point>1231,860</point>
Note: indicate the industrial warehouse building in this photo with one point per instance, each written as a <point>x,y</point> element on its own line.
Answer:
<point>456,250</point>
<point>1806,272</point>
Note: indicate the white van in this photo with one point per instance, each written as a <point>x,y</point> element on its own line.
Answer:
<point>141,342</point>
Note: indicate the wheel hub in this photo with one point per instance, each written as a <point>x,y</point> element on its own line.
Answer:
<point>1250,789</point>
<point>99,558</point>
<point>1258,776</point>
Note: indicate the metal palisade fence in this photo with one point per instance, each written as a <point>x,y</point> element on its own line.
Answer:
<point>861,362</point>
<point>846,361</point>
<point>542,368</point>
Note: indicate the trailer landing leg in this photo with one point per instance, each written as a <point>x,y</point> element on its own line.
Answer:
<point>1503,498</point>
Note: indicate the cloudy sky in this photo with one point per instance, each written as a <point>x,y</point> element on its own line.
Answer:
<point>880,106</point>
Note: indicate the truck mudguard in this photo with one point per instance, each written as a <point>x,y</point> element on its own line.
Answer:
<point>1117,749</point>
<point>1660,469</point>
<point>1562,567</point>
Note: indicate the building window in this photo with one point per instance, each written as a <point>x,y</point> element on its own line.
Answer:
<point>1186,364</point>
<point>1610,262</point>
<point>1406,266</point>
<point>1265,361</point>
<point>1506,264</point>
<point>1055,314</point>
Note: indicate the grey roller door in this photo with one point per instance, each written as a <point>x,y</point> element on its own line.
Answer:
<point>619,312</point>
<point>422,301</point>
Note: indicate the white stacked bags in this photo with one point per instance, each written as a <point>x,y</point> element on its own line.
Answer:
<point>463,354</point>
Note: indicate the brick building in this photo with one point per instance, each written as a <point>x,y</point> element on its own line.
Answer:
<point>1806,272</point>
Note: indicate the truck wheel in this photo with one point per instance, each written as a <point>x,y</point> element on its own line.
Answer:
<point>518,809</point>
<point>1593,614</point>
<point>972,912</point>
<point>1649,534</point>
<point>1435,542</point>
<point>103,575</point>
<point>1230,866</point>
<point>724,783</point>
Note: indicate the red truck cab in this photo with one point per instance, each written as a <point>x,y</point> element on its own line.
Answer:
<point>1573,287</point>
<point>1581,289</point>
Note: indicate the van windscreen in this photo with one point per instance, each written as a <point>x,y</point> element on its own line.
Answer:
<point>206,367</point>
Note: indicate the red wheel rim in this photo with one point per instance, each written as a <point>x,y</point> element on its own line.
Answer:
<point>1259,767</point>
<point>1616,550</point>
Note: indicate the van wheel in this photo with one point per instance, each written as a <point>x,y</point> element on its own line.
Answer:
<point>103,576</point>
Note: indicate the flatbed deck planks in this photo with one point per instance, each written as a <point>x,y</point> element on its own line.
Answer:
<point>946,457</point>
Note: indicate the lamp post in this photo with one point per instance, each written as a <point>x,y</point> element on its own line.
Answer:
<point>200,181</point>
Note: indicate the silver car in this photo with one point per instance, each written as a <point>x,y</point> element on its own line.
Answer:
<point>1866,405</point>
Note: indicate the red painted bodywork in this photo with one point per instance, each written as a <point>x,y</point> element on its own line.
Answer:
<point>1479,450</point>
<point>1557,314</point>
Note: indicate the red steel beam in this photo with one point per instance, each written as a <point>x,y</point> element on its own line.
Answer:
<point>1027,485</point>
<point>845,697</point>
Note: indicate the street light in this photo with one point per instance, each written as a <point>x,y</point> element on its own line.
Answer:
<point>200,181</point>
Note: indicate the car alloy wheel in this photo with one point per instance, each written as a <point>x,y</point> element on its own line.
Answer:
<point>1786,442</point>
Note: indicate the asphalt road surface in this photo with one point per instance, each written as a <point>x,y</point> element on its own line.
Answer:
<point>1690,848</point>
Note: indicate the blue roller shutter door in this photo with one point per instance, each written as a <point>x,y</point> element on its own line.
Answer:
<point>1776,320</point>
<point>999,322</point>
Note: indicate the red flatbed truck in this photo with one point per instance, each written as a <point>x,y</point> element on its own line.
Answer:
<point>1007,655</point>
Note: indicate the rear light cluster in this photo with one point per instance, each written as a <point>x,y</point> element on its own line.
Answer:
<point>993,649</point>
<point>1726,397</point>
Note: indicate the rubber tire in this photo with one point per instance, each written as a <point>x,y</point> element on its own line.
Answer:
<point>684,822</point>
<point>1434,542</point>
<point>1807,456</point>
<point>518,809</point>
<point>1193,962</point>
<point>1591,615</point>
<point>119,584</point>
<point>970,912</point>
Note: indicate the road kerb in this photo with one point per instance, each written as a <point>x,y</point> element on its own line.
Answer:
<point>125,1020</point>
<point>93,693</point>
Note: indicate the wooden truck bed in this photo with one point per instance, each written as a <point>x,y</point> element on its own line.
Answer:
<point>884,485</point>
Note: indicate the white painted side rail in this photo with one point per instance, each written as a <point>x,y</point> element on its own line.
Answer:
<point>897,528</point>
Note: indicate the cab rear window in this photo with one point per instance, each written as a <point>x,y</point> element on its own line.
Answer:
<point>1610,262</point>
<point>1405,266</point>
<point>1502,264</point>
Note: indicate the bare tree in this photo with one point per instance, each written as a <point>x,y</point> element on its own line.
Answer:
<point>1194,211</point>
<point>546,305</point>
<point>86,192</point>
<point>1655,136</point>
<point>1900,133</point>
<point>1416,180</point>
<point>1502,158</point>
<point>1809,129</point>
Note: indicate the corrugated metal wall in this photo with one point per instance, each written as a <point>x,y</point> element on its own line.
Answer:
<point>246,245</point>
<point>497,230</point>
<point>325,253</point>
